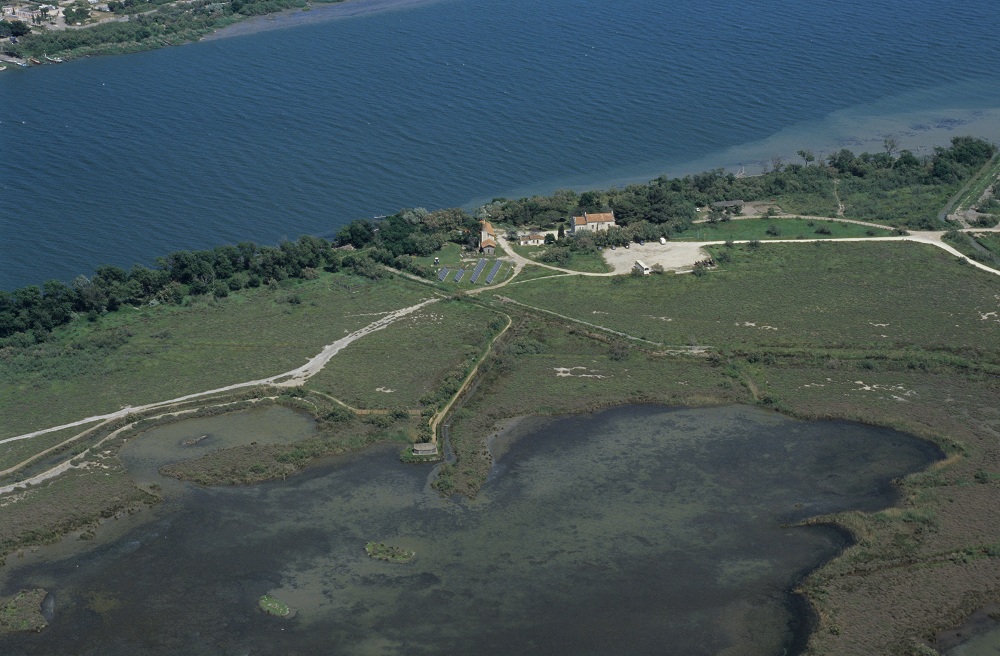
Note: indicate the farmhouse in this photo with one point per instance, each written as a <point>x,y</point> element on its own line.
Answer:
<point>533,239</point>
<point>487,238</point>
<point>592,222</point>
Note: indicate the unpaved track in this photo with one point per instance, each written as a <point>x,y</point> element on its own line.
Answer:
<point>294,377</point>
<point>673,255</point>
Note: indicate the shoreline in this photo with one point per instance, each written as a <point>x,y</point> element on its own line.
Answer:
<point>520,422</point>
<point>237,26</point>
<point>804,615</point>
<point>860,128</point>
<point>323,11</point>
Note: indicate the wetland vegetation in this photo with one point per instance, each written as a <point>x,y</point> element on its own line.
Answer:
<point>388,552</point>
<point>890,334</point>
<point>273,606</point>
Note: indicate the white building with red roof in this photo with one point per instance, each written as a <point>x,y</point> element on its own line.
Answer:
<point>593,222</point>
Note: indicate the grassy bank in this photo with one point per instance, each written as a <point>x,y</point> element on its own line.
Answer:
<point>415,363</point>
<point>574,260</point>
<point>148,354</point>
<point>977,186</point>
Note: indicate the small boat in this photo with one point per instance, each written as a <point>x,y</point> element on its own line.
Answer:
<point>34,61</point>
<point>22,64</point>
<point>57,60</point>
<point>3,68</point>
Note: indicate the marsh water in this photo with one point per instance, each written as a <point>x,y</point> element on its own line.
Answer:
<point>641,529</point>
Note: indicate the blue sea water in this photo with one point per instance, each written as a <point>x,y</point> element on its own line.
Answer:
<point>300,124</point>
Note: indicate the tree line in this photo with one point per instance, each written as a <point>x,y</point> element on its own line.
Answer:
<point>643,212</point>
<point>870,179</point>
<point>28,314</point>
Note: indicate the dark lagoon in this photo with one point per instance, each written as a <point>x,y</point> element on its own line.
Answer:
<point>638,530</point>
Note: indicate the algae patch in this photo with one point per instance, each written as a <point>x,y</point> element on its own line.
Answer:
<point>389,553</point>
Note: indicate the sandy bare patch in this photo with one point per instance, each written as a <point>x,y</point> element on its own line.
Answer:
<point>672,256</point>
<point>896,392</point>
<point>753,324</point>
<point>568,372</point>
<point>369,314</point>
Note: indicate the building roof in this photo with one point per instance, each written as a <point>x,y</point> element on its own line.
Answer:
<point>488,228</point>
<point>488,243</point>
<point>601,217</point>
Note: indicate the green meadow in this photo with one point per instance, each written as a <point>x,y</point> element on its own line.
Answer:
<point>137,356</point>
<point>877,296</point>
<point>406,364</point>
<point>777,228</point>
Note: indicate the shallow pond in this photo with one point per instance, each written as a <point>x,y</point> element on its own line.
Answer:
<point>192,438</point>
<point>979,635</point>
<point>635,530</point>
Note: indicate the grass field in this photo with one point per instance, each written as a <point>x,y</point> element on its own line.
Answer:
<point>853,296</point>
<point>745,229</point>
<point>897,206</point>
<point>405,364</point>
<point>862,201</point>
<point>577,261</point>
<point>157,353</point>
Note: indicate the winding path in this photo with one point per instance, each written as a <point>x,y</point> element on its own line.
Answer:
<point>685,254</point>
<point>291,378</point>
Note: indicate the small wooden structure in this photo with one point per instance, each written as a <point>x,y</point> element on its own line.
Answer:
<point>425,449</point>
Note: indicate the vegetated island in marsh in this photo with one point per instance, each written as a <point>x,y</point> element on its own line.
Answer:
<point>870,331</point>
<point>389,553</point>
<point>273,606</point>
<point>23,612</point>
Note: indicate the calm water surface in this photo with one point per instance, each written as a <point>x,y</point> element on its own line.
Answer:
<point>626,531</point>
<point>370,106</point>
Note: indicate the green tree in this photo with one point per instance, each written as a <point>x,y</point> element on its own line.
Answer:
<point>14,28</point>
